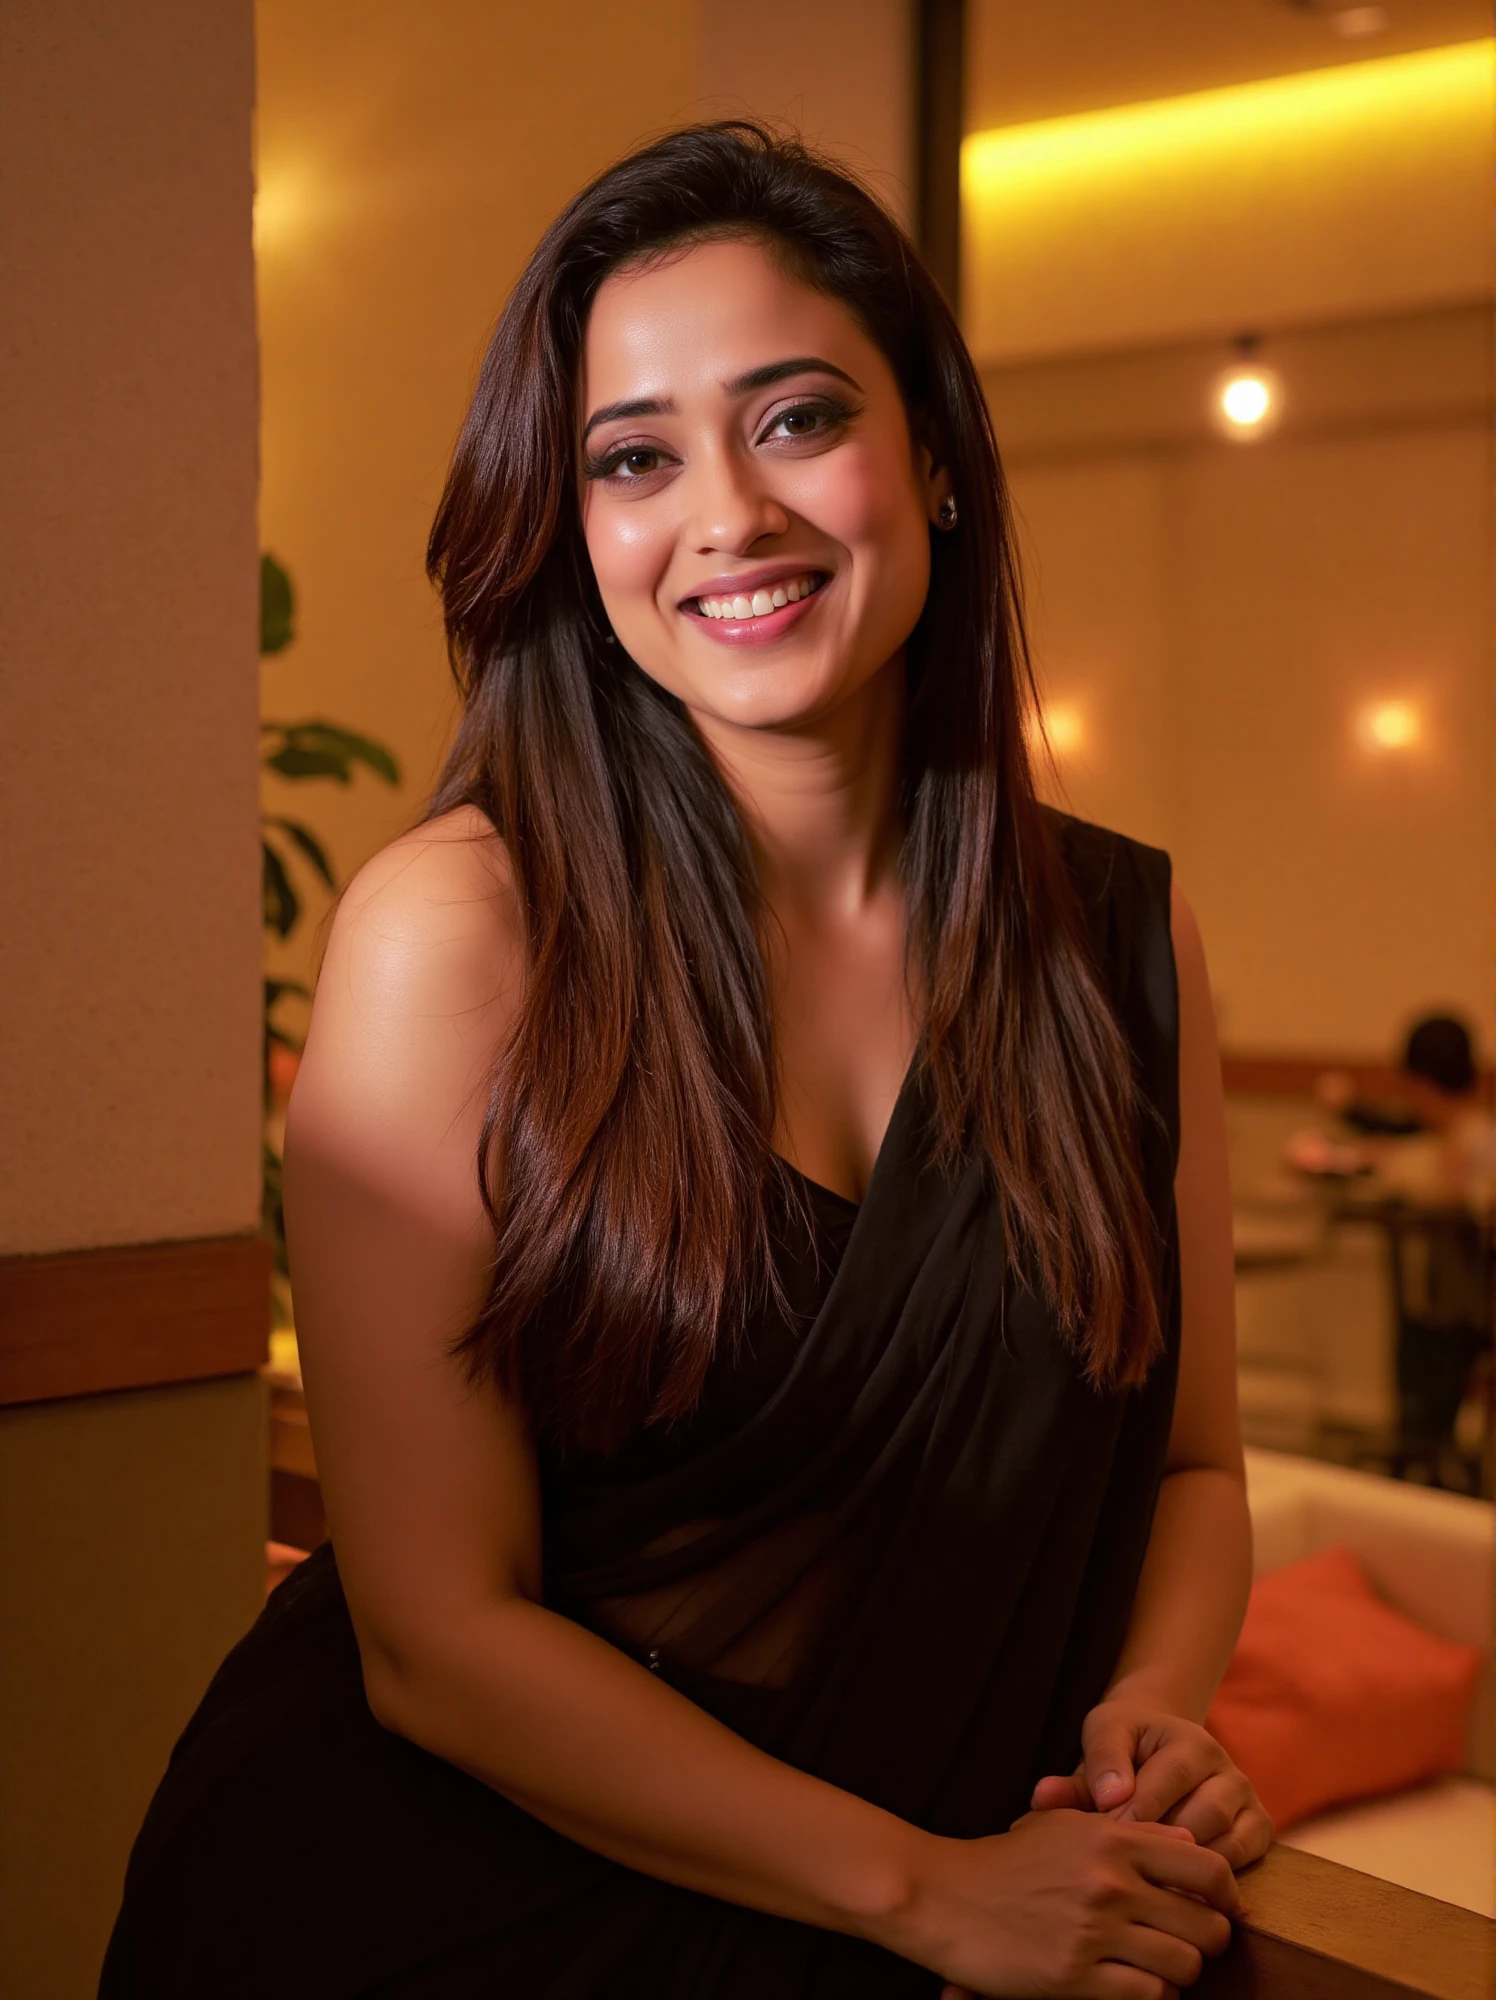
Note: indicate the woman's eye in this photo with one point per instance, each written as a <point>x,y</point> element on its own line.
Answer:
<point>628,465</point>
<point>807,420</point>
<point>634,464</point>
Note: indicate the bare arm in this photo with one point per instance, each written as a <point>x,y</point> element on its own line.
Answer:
<point>1199,1568</point>
<point>432,1498</point>
<point>1146,1757</point>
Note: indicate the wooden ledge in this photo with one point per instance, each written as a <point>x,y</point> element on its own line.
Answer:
<point>85,1322</point>
<point>1249,1073</point>
<point>1316,1931</point>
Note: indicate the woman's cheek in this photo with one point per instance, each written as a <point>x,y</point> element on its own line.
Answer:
<point>628,557</point>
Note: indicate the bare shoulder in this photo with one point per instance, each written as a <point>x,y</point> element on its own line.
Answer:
<point>419,984</point>
<point>438,903</point>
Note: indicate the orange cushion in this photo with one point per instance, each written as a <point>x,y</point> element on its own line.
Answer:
<point>1332,1695</point>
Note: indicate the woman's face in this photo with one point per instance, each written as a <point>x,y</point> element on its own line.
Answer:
<point>756,508</point>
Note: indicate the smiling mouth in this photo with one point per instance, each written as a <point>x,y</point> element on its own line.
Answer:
<point>759,603</point>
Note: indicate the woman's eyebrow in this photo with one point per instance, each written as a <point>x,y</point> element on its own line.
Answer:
<point>637,406</point>
<point>740,385</point>
<point>779,371</point>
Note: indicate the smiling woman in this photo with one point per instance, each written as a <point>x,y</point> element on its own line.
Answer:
<point>741,1185</point>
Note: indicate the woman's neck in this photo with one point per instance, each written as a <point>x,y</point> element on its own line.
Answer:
<point>820,801</point>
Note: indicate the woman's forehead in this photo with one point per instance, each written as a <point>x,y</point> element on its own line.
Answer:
<point>686,324</point>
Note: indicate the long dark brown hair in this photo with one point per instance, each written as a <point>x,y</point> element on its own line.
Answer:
<point>626,1154</point>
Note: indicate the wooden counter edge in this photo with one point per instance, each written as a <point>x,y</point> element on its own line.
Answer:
<point>1313,1930</point>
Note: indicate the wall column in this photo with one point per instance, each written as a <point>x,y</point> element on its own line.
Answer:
<point>132,1305</point>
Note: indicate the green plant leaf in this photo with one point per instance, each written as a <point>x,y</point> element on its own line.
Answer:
<point>274,988</point>
<point>277,607</point>
<point>303,838</point>
<point>282,904</point>
<point>331,740</point>
<point>294,762</point>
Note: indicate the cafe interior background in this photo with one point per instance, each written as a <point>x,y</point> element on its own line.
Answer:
<point>1228,272</point>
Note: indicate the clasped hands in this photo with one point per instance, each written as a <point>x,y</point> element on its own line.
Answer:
<point>1141,1764</point>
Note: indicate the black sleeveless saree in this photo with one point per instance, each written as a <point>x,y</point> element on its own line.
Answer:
<point>897,1546</point>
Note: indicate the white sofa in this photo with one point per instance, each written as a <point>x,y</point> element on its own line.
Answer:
<point>1433,1556</point>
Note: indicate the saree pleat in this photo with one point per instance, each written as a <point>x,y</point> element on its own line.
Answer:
<point>900,1552</point>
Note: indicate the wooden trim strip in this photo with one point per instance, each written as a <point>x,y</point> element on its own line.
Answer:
<point>1317,1931</point>
<point>85,1322</point>
<point>1248,1073</point>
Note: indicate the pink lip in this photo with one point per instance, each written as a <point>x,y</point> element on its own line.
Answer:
<point>757,631</point>
<point>747,581</point>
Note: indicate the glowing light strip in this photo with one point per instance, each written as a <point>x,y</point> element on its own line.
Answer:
<point>1356,100</point>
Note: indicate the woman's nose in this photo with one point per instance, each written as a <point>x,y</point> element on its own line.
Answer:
<point>731,505</point>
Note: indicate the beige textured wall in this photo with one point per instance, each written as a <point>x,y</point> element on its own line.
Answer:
<point>128,900</point>
<point>131,1526</point>
<point>838,71</point>
<point>408,160</point>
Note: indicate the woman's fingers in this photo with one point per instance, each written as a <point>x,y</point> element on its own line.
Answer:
<point>1183,1918</point>
<point>1211,1809</point>
<point>1057,1794</point>
<point>1173,1772</point>
<point>1169,1958</point>
<point>1180,1864</point>
<point>1127,1982</point>
<point>1247,1839</point>
<point>1110,1742</point>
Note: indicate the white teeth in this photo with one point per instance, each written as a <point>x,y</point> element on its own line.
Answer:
<point>762,602</point>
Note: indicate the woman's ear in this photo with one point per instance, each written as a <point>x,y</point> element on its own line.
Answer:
<point>935,481</point>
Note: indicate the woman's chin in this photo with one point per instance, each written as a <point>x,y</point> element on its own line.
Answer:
<point>785,695</point>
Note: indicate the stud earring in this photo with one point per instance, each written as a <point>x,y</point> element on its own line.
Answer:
<point>947,514</point>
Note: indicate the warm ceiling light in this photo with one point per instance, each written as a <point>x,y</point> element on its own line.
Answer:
<point>1248,401</point>
<point>1390,725</point>
<point>1245,401</point>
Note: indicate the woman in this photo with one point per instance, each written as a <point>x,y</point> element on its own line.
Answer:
<point>732,1192</point>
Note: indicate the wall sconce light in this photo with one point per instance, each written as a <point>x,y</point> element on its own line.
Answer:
<point>1247,400</point>
<point>1390,725</point>
<point>1060,724</point>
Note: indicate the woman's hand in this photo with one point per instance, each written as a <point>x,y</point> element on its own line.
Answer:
<point>1074,1906</point>
<point>1142,1764</point>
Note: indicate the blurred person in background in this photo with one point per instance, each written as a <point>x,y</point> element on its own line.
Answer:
<point>1424,1165</point>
